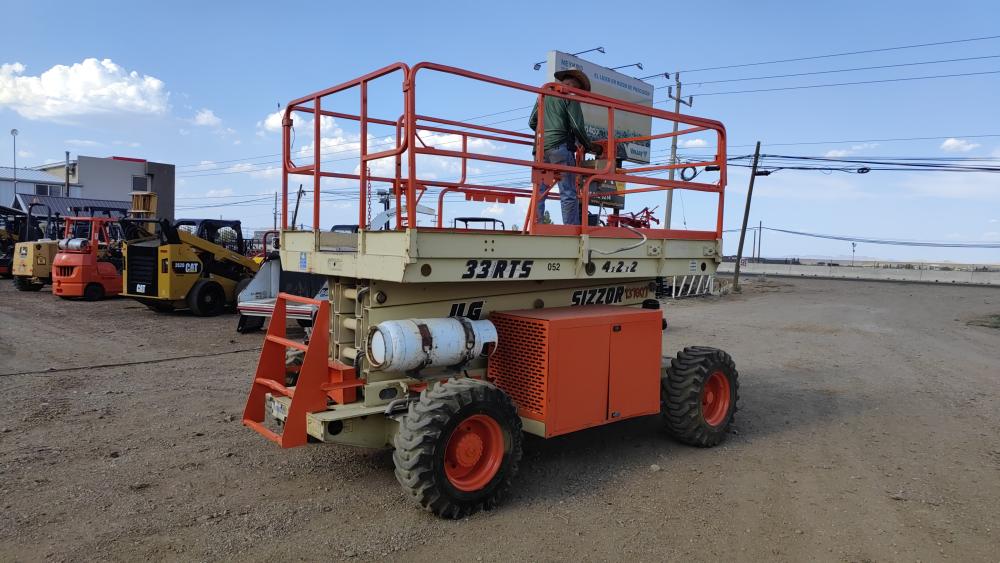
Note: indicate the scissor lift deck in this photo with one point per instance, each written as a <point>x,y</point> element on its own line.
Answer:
<point>399,353</point>
<point>416,256</point>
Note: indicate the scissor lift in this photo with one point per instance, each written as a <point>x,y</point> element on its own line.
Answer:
<point>447,343</point>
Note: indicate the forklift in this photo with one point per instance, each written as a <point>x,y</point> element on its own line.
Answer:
<point>33,256</point>
<point>89,262</point>
<point>167,267</point>
<point>11,225</point>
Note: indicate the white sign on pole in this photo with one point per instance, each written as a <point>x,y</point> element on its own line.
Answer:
<point>613,84</point>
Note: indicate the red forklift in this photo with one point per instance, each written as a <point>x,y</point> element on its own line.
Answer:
<point>89,262</point>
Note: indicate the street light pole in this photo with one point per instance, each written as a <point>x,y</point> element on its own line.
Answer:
<point>13,133</point>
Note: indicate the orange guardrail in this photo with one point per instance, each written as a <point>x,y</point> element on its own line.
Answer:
<point>410,185</point>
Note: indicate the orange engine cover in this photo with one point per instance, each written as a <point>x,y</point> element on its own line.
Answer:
<point>578,367</point>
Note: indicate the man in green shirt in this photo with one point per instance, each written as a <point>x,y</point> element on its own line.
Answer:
<point>564,129</point>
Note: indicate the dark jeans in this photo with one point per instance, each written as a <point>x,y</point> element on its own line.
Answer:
<point>568,199</point>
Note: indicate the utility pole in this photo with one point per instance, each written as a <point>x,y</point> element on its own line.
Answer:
<point>295,214</point>
<point>760,239</point>
<point>854,245</point>
<point>275,211</point>
<point>746,216</point>
<point>678,100</point>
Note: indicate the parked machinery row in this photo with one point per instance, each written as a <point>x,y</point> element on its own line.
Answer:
<point>196,264</point>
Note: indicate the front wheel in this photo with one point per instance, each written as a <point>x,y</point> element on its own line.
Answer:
<point>159,306</point>
<point>699,394</point>
<point>24,283</point>
<point>93,292</point>
<point>458,447</point>
<point>206,298</point>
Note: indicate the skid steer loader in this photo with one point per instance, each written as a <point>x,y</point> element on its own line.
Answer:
<point>169,268</point>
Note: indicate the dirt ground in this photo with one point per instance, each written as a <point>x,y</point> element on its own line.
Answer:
<point>869,430</point>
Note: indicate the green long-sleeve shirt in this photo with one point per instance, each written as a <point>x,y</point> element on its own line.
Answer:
<point>563,122</point>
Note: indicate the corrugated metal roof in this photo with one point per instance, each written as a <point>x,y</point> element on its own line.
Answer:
<point>69,206</point>
<point>29,175</point>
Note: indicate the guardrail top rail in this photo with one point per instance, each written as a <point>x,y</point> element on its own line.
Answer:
<point>408,185</point>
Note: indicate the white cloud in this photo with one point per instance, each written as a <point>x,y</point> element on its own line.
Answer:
<point>85,143</point>
<point>183,131</point>
<point>976,186</point>
<point>132,144</point>
<point>25,154</point>
<point>994,220</point>
<point>840,153</point>
<point>85,88</point>
<point>207,118</point>
<point>301,121</point>
<point>241,167</point>
<point>219,193</point>
<point>692,143</point>
<point>957,145</point>
<point>204,165</point>
<point>495,209</point>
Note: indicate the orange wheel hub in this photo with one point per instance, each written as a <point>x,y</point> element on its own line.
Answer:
<point>474,453</point>
<point>715,399</point>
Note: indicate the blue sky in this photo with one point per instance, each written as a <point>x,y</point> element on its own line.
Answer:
<point>208,74</point>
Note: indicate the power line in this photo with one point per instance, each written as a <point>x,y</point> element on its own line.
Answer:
<point>776,162</point>
<point>898,139</point>
<point>845,53</point>
<point>193,165</point>
<point>891,242</point>
<point>784,144</point>
<point>884,80</point>
<point>700,83</point>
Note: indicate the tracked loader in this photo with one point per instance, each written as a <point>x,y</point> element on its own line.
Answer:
<point>449,344</point>
<point>168,267</point>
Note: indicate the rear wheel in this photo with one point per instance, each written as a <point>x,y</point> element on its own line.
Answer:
<point>160,306</point>
<point>699,395</point>
<point>24,283</point>
<point>458,448</point>
<point>93,292</point>
<point>206,298</point>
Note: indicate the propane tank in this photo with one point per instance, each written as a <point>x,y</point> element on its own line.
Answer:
<point>73,244</point>
<point>413,344</point>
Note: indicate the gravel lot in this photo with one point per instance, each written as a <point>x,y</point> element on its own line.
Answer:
<point>869,430</point>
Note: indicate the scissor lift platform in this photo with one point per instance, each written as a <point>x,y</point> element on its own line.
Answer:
<point>453,419</point>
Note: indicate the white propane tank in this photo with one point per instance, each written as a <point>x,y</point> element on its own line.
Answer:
<point>412,344</point>
<point>73,243</point>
